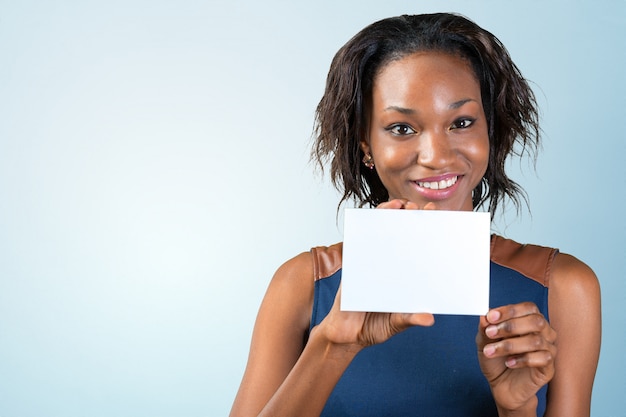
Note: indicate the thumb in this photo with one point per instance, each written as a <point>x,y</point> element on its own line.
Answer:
<point>402,321</point>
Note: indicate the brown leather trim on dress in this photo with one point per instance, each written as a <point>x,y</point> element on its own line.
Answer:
<point>326,260</point>
<point>532,261</point>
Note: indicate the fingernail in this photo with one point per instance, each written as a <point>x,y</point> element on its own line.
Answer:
<point>489,350</point>
<point>510,362</point>
<point>493,315</point>
<point>491,331</point>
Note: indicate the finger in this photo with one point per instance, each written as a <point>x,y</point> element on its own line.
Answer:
<point>500,314</point>
<point>378,327</point>
<point>411,206</point>
<point>402,321</point>
<point>415,319</point>
<point>541,359</point>
<point>397,203</point>
<point>518,346</point>
<point>403,203</point>
<point>534,323</point>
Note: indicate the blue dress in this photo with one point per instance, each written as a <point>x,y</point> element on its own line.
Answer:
<point>431,371</point>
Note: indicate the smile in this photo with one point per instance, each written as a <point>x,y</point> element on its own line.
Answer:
<point>438,185</point>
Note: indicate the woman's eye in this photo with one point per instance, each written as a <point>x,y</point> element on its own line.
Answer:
<point>462,123</point>
<point>401,130</point>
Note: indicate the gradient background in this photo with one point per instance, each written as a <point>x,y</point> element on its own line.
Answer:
<point>154,173</point>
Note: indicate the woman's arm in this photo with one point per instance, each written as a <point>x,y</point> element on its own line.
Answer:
<point>574,307</point>
<point>288,378</point>
<point>288,375</point>
<point>279,335</point>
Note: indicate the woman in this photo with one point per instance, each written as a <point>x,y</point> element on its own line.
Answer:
<point>421,112</point>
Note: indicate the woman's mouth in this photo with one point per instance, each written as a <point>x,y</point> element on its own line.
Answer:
<point>438,185</point>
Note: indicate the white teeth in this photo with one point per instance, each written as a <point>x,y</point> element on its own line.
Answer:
<point>438,185</point>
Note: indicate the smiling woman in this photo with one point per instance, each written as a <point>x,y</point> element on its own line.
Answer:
<point>428,131</point>
<point>146,147</point>
<point>421,112</point>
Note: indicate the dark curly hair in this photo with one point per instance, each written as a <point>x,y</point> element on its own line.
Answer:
<point>342,115</point>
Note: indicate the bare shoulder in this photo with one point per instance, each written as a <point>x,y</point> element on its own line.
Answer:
<point>574,295</point>
<point>295,269</point>
<point>294,282</point>
<point>572,279</point>
<point>285,311</point>
<point>291,288</point>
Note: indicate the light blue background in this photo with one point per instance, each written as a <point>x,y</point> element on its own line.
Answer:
<point>154,174</point>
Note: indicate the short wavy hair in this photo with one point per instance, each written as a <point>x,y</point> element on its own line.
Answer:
<point>342,115</point>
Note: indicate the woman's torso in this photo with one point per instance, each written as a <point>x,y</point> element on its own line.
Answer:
<point>430,371</point>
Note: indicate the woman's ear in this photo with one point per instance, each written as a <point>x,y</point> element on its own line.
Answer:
<point>365,147</point>
<point>367,160</point>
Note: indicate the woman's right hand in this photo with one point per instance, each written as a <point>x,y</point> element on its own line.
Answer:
<point>364,329</point>
<point>289,373</point>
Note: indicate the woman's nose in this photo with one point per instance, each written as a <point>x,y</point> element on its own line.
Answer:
<point>434,150</point>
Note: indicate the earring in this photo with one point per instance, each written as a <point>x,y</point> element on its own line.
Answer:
<point>368,161</point>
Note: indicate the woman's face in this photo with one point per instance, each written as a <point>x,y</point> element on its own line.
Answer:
<point>428,131</point>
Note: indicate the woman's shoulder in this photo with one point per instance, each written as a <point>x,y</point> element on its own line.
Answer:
<point>291,290</point>
<point>298,274</point>
<point>573,279</point>
<point>574,287</point>
<point>533,261</point>
<point>560,271</point>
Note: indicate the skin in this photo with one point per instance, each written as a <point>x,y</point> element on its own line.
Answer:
<point>427,124</point>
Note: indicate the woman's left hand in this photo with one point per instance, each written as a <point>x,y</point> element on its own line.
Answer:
<point>516,352</point>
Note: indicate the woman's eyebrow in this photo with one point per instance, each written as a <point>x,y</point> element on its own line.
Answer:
<point>453,106</point>
<point>458,104</point>
<point>399,109</point>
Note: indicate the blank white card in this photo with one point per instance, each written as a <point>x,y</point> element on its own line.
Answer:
<point>415,261</point>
